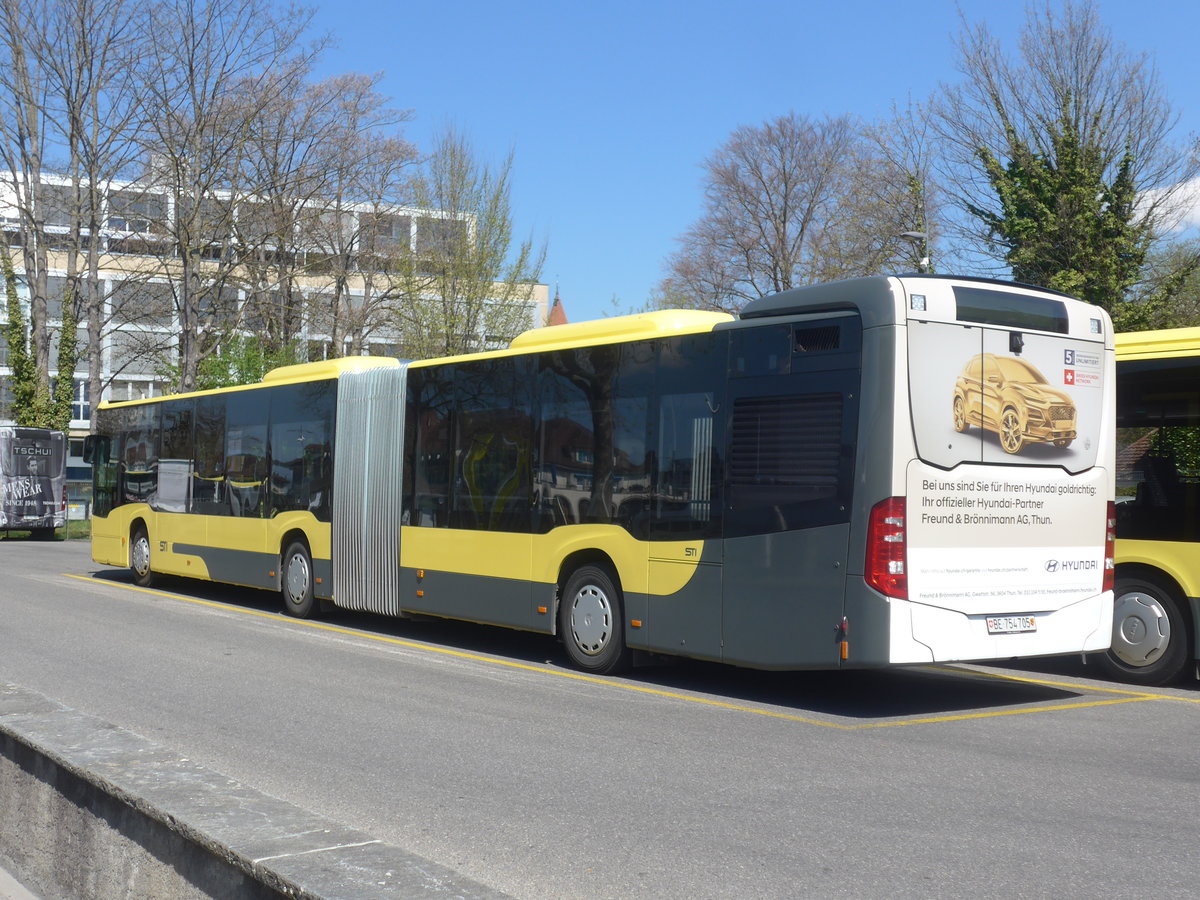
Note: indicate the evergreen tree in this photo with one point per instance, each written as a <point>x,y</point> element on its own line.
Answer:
<point>1059,222</point>
<point>22,381</point>
<point>33,404</point>
<point>68,356</point>
<point>1065,159</point>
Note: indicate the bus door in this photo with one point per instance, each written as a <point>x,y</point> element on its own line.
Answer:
<point>792,414</point>
<point>685,552</point>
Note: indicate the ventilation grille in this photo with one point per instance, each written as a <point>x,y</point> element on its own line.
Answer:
<point>812,340</point>
<point>793,441</point>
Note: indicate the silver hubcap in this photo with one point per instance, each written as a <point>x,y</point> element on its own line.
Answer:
<point>141,554</point>
<point>591,620</point>
<point>297,579</point>
<point>1141,629</point>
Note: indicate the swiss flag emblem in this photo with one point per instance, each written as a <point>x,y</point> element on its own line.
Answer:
<point>1068,376</point>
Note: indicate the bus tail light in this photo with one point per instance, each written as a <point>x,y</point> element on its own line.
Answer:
<point>887,556</point>
<point>63,508</point>
<point>1110,547</point>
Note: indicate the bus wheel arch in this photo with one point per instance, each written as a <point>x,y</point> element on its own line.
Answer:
<point>139,553</point>
<point>591,614</point>
<point>296,580</point>
<point>1152,627</point>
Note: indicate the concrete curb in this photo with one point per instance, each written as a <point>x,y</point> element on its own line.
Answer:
<point>88,810</point>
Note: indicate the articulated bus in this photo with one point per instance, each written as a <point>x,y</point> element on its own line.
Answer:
<point>887,470</point>
<point>1157,617</point>
<point>33,490</point>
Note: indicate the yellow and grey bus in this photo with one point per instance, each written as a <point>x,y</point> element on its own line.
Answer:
<point>1158,506</point>
<point>878,471</point>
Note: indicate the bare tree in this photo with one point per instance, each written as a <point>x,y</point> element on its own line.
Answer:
<point>212,70</point>
<point>787,203</point>
<point>24,123</point>
<point>348,181</point>
<point>905,187</point>
<point>282,181</point>
<point>90,70</point>
<point>468,286</point>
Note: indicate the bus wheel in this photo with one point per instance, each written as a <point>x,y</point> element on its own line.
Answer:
<point>591,622</point>
<point>960,414</point>
<point>1150,640</point>
<point>139,558</point>
<point>42,534</point>
<point>1011,438</point>
<point>297,582</point>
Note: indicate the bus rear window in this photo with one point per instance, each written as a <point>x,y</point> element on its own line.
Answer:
<point>1011,310</point>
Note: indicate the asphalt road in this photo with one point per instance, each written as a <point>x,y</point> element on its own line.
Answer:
<point>480,749</point>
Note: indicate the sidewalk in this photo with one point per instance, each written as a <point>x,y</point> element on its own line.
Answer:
<point>11,889</point>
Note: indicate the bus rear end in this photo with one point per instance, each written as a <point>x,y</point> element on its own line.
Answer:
<point>32,479</point>
<point>999,543</point>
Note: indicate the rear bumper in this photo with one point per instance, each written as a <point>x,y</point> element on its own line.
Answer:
<point>944,635</point>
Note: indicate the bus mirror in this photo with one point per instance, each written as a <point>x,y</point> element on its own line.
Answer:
<point>95,449</point>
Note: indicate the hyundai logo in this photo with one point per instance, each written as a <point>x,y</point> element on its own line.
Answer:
<point>1052,565</point>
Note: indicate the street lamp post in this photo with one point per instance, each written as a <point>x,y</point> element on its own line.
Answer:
<point>920,240</point>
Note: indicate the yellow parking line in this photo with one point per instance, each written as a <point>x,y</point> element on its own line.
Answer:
<point>637,688</point>
<point>1135,695</point>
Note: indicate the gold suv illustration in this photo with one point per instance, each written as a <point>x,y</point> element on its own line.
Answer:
<point>1012,398</point>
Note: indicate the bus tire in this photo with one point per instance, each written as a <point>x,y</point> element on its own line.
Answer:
<point>592,623</point>
<point>1150,633</point>
<point>296,581</point>
<point>42,534</point>
<point>139,558</point>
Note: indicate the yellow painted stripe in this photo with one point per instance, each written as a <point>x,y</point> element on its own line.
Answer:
<point>1133,697</point>
<point>1131,694</point>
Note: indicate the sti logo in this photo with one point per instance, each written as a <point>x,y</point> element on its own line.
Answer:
<point>1068,376</point>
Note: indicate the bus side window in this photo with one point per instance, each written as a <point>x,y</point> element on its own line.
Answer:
<point>175,458</point>
<point>432,391</point>
<point>139,454</point>
<point>300,445</point>
<point>208,471</point>
<point>688,498</point>
<point>493,445</point>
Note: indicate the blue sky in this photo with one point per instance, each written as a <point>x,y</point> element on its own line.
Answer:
<point>610,108</point>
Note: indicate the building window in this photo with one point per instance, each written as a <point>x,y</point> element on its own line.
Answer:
<point>81,409</point>
<point>136,212</point>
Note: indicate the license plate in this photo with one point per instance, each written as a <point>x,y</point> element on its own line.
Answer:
<point>1010,624</point>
